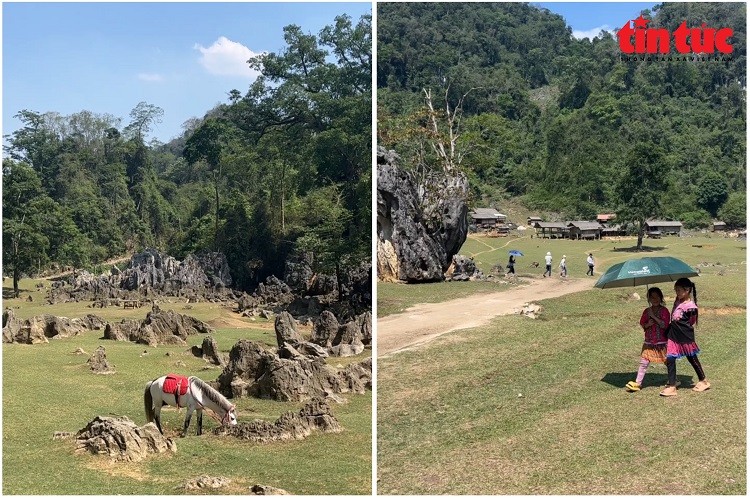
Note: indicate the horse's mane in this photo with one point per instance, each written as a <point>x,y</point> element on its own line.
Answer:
<point>212,394</point>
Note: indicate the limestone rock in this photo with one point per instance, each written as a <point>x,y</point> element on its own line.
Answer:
<point>41,328</point>
<point>286,329</point>
<point>315,415</point>
<point>325,328</point>
<point>159,328</point>
<point>286,375</point>
<point>98,362</point>
<point>121,439</point>
<point>210,352</point>
<point>205,482</point>
<point>425,223</point>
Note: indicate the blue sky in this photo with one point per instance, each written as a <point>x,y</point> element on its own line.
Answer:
<point>108,57</point>
<point>588,19</point>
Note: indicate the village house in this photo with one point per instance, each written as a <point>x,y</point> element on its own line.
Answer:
<point>487,217</point>
<point>605,219</point>
<point>719,226</point>
<point>551,229</point>
<point>663,227</point>
<point>584,230</point>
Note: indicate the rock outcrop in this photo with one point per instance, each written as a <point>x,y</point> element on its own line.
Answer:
<point>254,371</point>
<point>426,224</point>
<point>99,364</point>
<point>315,415</point>
<point>209,351</point>
<point>39,329</point>
<point>159,328</point>
<point>149,274</point>
<point>121,439</point>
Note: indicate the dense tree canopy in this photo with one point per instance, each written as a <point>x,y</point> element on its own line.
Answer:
<point>553,120</point>
<point>281,168</point>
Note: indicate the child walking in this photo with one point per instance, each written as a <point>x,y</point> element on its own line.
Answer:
<point>654,321</point>
<point>681,337</point>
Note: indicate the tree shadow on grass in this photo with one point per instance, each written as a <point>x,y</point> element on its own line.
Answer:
<point>8,292</point>
<point>635,249</point>
<point>619,379</point>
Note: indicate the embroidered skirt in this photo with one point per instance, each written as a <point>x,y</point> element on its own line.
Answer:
<point>680,349</point>
<point>654,353</point>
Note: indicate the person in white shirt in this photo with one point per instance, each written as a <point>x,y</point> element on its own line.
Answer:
<point>548,265</point>
<point>563,268</point>
<point>590,262</point>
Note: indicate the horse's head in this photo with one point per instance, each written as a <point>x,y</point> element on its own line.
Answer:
<point>230,418</point>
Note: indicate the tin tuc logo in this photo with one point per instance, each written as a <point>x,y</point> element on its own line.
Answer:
<point>639,39</point>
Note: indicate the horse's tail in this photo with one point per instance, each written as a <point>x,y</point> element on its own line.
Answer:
<point>148,403</point>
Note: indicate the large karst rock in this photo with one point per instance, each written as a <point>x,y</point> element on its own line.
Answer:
<point>120,439</point>
<point>39,329</point>
<point>425,224</point>
<point>159,328</point>
<point>315,415</point>
<point>150,273</point>
<point>254,371</point>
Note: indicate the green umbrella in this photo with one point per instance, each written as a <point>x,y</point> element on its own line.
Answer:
<point>645,271</point>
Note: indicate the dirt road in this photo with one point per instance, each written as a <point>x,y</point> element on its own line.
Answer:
<point>425,322</point>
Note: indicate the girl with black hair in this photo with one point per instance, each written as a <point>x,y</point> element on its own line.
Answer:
<point>654,321</point>
<point>681,337</point>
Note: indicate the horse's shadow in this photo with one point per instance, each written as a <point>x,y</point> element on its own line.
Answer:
<point>619,379</point>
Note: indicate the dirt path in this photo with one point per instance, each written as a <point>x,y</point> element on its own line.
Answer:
<point>423,323</point>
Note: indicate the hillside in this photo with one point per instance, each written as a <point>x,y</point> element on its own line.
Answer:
<point>553,122</point>
<point>281,169</point>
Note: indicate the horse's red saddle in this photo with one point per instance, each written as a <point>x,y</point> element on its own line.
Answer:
<point>175,384</point>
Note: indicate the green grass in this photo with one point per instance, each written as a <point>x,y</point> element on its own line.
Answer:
<point>46,388</point>
<point>524,406</point>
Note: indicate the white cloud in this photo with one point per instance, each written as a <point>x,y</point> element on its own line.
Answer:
<point>150,77</point>
<point>227,58</point>
<point>592,33</point>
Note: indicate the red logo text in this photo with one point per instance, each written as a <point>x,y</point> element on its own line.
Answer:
<point>642,40</point>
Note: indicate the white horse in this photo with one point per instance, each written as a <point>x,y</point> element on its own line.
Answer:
<point>199,395</point>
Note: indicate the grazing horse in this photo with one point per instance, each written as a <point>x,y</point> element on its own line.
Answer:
<point>190,392</point>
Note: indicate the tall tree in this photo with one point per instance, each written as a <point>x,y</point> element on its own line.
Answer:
<point>642,187</point>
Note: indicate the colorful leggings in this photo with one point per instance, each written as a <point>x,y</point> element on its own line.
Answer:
<point>672,369</point>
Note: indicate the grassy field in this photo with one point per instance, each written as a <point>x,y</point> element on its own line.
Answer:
<point>47,388</point>
<point>524,406</point>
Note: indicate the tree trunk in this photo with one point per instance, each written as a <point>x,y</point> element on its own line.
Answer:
<point>641,229</point>
<point>338,280</point>
<point>15,281</point>
<point>283,225</point>
<point>216,222</point>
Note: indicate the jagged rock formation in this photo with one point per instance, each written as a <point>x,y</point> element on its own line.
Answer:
<point>209,351</point>
<point>151,273</point>
<point>348,339</point>
<point>40,329</point>
<point>426,224</point>
<point>305,294</point>
<point>99,364</point>
<point>159,328</point>
<point>253,371</point>
<point>463,268</point>
<point>121,439</point>
<point>315,415</point>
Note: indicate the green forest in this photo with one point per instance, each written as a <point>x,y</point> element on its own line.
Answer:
<point>564,125</point>
<point>281,169</point>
